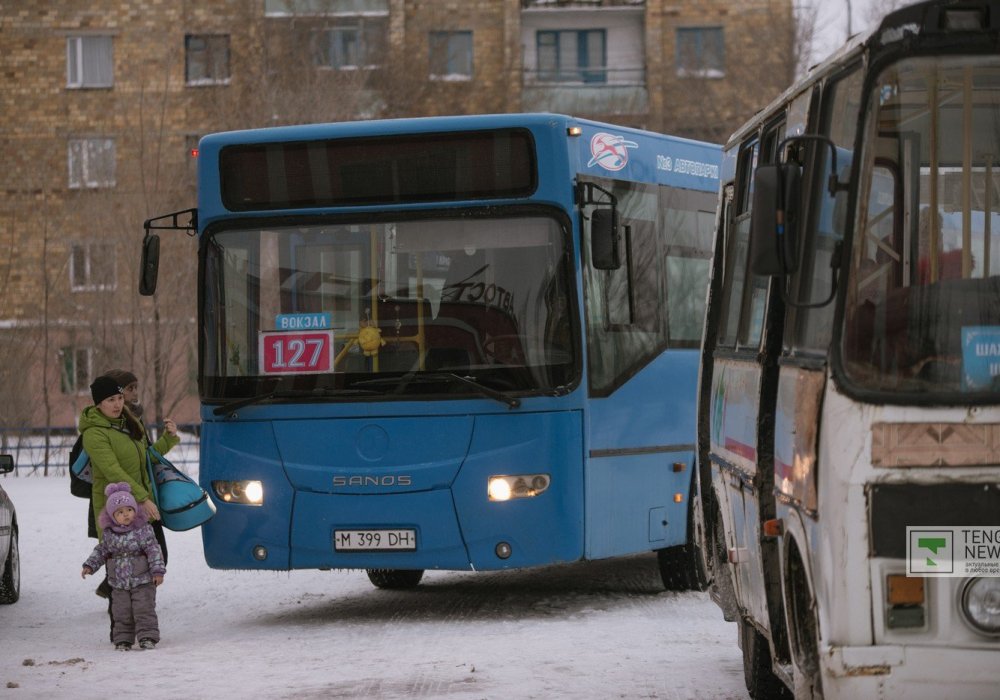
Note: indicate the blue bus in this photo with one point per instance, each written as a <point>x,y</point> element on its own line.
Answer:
<point>449,343</point>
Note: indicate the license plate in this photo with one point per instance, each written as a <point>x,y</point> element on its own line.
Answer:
<point>374,540</point>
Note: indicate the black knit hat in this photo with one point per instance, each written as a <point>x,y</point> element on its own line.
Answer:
<point>104,387</point>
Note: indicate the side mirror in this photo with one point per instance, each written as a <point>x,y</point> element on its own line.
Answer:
<point>774,226</point>
<point>6,464</point>
<point>604,247</point>
<point>150,264</point>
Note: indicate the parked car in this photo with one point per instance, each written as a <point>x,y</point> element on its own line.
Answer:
<point>10,559</point>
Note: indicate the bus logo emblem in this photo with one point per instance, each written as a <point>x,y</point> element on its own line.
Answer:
<point>609,151</point>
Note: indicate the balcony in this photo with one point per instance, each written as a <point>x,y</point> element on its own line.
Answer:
<point>595,91</point>
<point>544,4</point>
<point>331,8</point>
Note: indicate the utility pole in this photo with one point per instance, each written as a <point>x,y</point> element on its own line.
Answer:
<point>850,32</point>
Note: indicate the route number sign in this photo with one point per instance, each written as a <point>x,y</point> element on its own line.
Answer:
<point>283,352</point>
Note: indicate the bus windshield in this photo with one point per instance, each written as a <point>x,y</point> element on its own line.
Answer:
<point>334,306</point>
<point>923,303</point>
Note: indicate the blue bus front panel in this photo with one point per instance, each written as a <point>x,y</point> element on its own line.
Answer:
<point>430,514</point>
<point>425,474</point>
<point>240,451</point>
<point>376,456</point>
<point>541,529</point>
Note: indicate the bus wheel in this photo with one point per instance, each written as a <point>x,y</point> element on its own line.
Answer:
<point>681,567</point>
<point>804,628</point>
<point>758,674</point>
<point>395,579</point>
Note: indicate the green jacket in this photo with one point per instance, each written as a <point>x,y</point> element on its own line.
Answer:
<point>115,456</point>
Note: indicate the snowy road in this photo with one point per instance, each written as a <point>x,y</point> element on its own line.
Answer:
<point>593,630</point>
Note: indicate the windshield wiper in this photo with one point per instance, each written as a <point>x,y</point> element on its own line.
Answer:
<point>287,394</point>
<point>430,377</point>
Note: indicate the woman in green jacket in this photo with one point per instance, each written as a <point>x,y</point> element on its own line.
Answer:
<point>116,442</point>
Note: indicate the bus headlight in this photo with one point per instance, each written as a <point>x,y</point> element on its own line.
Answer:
<point>503,487</point>
<point>981,604</point>
<point>249,493</point>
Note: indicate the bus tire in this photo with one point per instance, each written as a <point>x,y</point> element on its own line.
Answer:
<point>395,579</point>
<point>681,567</point>
<point>758,674</point>
<point>804,627</point>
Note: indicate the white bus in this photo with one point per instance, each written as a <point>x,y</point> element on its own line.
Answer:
<point>849,396</point>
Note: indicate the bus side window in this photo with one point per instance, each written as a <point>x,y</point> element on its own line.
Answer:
<point>745,294</point>
<point>626,326</point>
<point>813,327</point>
<point>738,245</point>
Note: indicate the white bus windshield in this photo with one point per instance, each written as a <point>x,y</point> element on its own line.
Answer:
<point>923,304</point>
<point>328,306</point>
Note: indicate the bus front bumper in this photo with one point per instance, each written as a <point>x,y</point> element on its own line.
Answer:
<point>911,672</point>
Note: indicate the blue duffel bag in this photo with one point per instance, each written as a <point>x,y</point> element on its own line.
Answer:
<point>182,502</point>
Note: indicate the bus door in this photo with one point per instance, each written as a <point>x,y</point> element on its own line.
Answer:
<point>743,379</point>
<point>803,365</point>
<point>642,335</point>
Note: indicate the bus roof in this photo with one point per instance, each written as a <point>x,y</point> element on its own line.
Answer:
<point>238,169</point>
<point>416,125</point>
<point>929,18</point>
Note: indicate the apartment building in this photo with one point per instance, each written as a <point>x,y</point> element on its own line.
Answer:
<point>103,103</point>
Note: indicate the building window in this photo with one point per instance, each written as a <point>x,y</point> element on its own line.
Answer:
<point>89,62</point>
<point>77,364</point>
<point>572,56</point>
<point>351,47</point>
<point>700,52</point>
<point>451,55</point>
<point>92,267</point>
<point>206,59</point>
<point>91,163</point>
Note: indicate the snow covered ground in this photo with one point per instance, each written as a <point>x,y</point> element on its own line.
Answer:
<point>593,630</point>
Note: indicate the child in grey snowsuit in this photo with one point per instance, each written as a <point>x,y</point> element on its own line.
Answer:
<point>135,568</point>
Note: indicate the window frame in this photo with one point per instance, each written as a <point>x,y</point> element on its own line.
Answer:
<point>701,52</point>
<point>70,378</point>
<point>434,49</point>
<point>90,160</point>
<point>732,303</point>
<point>618,348</point>
<point>369,45</point>
<point>90,252</point>
<point>809,331</point>
<point>210,62</point>
<point>580,72</point>
<point>78,77</point>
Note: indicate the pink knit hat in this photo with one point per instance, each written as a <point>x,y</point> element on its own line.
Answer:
<point>119,496</point>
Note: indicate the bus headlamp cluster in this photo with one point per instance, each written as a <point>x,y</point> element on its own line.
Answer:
<point>505,487</point>
<point>249,493</point>
<point>981,604</point>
